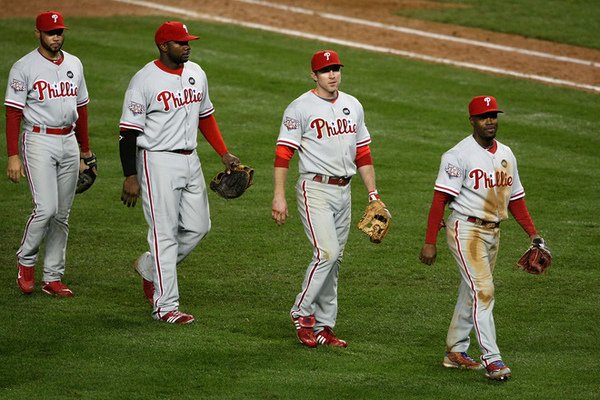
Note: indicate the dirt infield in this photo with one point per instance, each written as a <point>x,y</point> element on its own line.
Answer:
<point>380,11</point>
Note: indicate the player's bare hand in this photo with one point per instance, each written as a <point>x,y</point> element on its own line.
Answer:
<point>230,161</point>
<point>131,191</point>
<point>428,254</point>
<point>279,210</point>
<point>15,169</point>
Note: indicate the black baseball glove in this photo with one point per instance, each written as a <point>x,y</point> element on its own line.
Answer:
<point>233,184</point>
<point>87,177</point>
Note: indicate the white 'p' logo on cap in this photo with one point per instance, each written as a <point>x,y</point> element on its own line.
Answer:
<point>487,101</point>
<point>54,18</point>
<point>327,55</point>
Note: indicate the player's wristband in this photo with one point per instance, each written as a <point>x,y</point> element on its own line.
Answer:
<point>373,195</point>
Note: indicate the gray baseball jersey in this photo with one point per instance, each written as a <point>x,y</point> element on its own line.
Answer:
<point>165,107</point>
<point>482,183</point>
<point>326,135</point>
<point>48,93</point>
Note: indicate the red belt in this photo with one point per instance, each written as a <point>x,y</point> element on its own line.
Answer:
<point>181,151</point>
<point>487,224</point>
<point>53,131</point>
<point>332,180</point>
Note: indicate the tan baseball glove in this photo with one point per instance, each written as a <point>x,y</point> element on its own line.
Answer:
<point>376,221</point>
<point>537,259</point>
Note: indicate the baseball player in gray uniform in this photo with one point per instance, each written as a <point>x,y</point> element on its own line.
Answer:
<point>479,180</point>
<point>46,100</point>
<point>165,104</point>
<point>328,129</point>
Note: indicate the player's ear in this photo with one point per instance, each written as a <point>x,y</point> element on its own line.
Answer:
<point>162,47</point>
<point>313,75</point>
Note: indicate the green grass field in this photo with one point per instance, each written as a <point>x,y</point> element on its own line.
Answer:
<point>241,281</point>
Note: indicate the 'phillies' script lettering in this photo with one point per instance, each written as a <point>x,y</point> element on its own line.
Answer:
<point>334,128</point>
<point>54,90</point>
<point>179,99</point>
<point>491,180</point>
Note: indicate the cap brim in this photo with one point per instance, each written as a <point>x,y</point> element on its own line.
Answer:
<point>185,38</point>
<point>327,65</point>
<point>48,29</point>
<point>487,112</point>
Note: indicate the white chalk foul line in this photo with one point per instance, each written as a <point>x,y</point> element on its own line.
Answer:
<point>417,32</point>
<point>408,54</point>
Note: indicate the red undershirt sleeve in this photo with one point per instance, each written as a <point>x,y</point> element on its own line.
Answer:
<point>363,156</point>
<point>519,210</point>
<point>81,129</point>
<point>13,129</point>
<point>210,130</point>
<point>283,155</point>
<point>435,222</point>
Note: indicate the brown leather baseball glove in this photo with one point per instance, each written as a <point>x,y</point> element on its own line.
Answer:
<point>537,259</point>
<point>233,184</point>
<point>376,221</point>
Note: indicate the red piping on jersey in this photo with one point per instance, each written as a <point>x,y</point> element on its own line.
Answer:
<point>337,95</point>
<point>314,239</point>
<point>163,67</point>
<point>154,233</point>
<point>288,143</point>
<point>33,194</point>
<point>55,62</point>
<point>471,285</point>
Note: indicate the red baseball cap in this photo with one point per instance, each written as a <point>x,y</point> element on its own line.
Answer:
<point>483,104</point>
<point>173,30</point>
<point>49,21</point>
<point>324,58</point>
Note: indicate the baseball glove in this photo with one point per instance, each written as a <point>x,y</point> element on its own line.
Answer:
<point>233,184</point>
<point>537,259</point>
<point>87,177</point>
<point>376,221</point>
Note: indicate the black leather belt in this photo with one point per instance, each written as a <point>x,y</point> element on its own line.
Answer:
<point>481,222</point>
<point>332,180</point>
<point>181,151</point>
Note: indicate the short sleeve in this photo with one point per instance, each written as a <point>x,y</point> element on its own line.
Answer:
<point>450,175</point>
<point>290,132</point>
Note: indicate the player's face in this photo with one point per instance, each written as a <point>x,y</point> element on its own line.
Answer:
<point>328,80</point>
<point>52,41</point>
<point>178,52</point>
<point>485,125</point>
